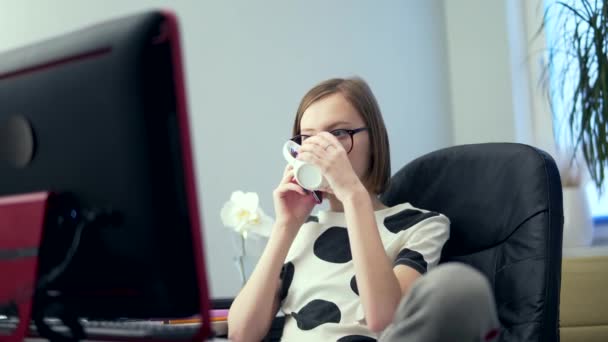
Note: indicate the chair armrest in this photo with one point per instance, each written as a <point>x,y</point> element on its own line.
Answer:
<point>276,327</point>
<point>276,330</point>
<point>221,303</point>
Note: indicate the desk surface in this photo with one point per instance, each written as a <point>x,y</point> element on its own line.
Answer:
<point>219,328</point>
<point>44,340</point>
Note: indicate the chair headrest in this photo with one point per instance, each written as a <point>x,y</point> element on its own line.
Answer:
<point>486,190</point>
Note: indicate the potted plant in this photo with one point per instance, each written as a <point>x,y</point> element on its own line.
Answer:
<point>578,63</point>
<point>578,225</point>
<point>250,226</point>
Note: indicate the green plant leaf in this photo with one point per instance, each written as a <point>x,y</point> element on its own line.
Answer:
<point>583,48</point>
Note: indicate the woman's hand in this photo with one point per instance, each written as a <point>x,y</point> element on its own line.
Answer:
<point>326,152</point>
<point>292,204</point>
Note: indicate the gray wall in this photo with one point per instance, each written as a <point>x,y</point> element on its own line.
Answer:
<point>490,52</point>
<point>480,75</point>
<point>248,64</point>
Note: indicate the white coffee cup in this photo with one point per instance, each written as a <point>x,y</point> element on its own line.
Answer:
<point>307,175</point>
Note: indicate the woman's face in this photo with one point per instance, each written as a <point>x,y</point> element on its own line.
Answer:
<point>335,112</point>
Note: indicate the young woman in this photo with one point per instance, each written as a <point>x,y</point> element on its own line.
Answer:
<point>360,271</point>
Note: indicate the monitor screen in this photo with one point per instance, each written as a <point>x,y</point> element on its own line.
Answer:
<point>98,117</point>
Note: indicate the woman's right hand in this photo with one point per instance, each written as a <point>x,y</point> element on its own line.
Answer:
<point>292,204</point>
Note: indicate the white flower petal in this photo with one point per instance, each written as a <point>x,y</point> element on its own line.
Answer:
<point>243,214</point>
<point>249,201</point>
<point>227,214</point>
<point>236,196</point>
<point>253,218</point>
<point>263,225</point>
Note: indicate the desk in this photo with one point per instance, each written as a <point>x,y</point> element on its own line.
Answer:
<point>106,333</point>
<point>43,340</point>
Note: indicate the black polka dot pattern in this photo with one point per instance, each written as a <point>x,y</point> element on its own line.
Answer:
<point>316,313</point>
<point>311,218</point>
<point>287,272</point>
<point>353,285</point>
<point>406,219</point>
<point>356,338</point>
<point>410,237</point>
<point>412,259</point>
<point>333,246</point>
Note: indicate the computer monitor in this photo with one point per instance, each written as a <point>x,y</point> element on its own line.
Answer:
<point>98,116</point>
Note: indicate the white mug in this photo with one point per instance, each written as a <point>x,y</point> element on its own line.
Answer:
<point>307,175</point>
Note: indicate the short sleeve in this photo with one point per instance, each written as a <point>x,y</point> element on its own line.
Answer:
<point>419,245</point>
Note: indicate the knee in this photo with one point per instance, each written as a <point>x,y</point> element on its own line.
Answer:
<point>453,302</point>
<point>454,286</point>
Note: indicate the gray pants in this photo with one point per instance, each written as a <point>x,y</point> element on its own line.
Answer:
<point>453,302</point>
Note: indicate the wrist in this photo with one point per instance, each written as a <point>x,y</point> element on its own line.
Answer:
<point>356,198</point>
<point>284,230</point>
<point>281,239</point>
<point>354,193</point>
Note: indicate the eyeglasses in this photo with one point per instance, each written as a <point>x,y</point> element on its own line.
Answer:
<point>344,136</point>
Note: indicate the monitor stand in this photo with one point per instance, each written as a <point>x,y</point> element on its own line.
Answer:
<point>22,220</point>
<point>25,219</point>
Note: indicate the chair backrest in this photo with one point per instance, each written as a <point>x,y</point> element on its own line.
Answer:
<point>505,205</point>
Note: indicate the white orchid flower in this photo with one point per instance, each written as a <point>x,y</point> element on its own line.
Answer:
<point>243,214</point>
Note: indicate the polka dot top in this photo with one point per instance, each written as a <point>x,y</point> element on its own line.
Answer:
<point>319,291</point>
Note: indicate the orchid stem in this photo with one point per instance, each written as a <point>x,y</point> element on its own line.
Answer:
<point>241,263</point>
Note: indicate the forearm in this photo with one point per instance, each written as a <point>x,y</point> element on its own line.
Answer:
<point>378,286</point>
<point>252,311</point>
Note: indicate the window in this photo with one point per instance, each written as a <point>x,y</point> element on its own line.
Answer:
<point>555,29</point>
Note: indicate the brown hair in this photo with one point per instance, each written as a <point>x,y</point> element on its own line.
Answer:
<point>359,95</point>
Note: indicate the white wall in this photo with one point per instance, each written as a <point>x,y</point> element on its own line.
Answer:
<point>487,58</point>
<point>248,63</point>
<point>495,59</point>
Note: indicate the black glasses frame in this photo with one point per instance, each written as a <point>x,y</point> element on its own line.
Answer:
<point>336,132</point>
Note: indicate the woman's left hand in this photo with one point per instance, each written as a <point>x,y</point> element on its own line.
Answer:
<point>326,152</point>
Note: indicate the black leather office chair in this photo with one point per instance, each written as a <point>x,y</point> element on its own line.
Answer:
<point>505,206</point>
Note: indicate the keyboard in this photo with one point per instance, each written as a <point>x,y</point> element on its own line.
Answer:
<point>139,329</point>
<point>149,330</point>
